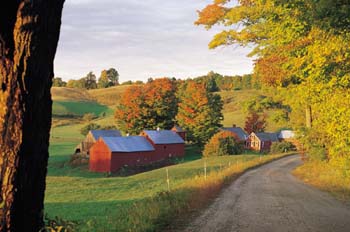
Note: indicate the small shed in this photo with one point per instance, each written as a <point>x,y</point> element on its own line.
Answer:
<point>261,141</point>
<point>166,142</point>
<point>109,154</point>
<point>179,131</point>
<point>92,137</point>
<point>239,133</point>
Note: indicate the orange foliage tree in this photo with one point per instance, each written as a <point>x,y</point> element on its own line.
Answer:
<point>199,111</point>
<point>222,143</point>
<point>148,106</point>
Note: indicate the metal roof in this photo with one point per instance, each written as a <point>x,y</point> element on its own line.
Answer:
<point>164,137</point>
<point>128,144</point>
<point>238,131</point>
<point>105,133</point>
<point>286,134</point>
<point>266,136</point>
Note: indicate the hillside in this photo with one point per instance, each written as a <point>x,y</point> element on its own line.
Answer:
<point>70,101</point>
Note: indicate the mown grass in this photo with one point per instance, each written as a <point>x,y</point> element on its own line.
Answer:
<point>324,176</point>
<point>62,108</point>
<point>70,94</point>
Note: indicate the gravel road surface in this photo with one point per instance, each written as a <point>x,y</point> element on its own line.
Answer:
<point>270,199</point>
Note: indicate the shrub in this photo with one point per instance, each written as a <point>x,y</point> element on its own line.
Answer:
<point>317,152</point>
<point>283,146</point>
<point>92,126</point>
<point>222,143</point>
<point>88,117</point>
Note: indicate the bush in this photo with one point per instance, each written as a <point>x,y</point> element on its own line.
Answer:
<point>222,143</point>
<point>283,146</point>
<point>92,126</point>
<point>317,152</point>
<point>88,117</point>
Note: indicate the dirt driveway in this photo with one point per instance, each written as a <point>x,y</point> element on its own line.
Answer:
<point>270,199</point>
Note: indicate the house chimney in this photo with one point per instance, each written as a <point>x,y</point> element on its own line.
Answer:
<point>233,125</point>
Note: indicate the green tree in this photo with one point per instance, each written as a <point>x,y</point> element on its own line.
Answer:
<point>58,82</point>
<point>199,111</point>
<point>89,81</point>
<point>91,126</point>
<point>113,76</point>
<point>222,143</point>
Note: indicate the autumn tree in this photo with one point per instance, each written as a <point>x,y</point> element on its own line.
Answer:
<point>29,32</point>
<point>199,111</point>
<point>89,81</point>
<point>255,123</point>
<point>222,143</point>
<point>148,106</point>
<point>301,45</point>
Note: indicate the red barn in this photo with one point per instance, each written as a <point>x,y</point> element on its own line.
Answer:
<point>166,142</point>
<point>109,154</point>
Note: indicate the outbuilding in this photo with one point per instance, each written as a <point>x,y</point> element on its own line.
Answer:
<point>167,143</point>
<point>92,137</point>
<point>261,141</point>
<point>109,154</point>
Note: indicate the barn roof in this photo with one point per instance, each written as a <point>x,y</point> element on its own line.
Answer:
<point>177,129</point>
<point>164,137</point>
<point>105,133</point>
<point>238,131</point>
<point>286,134</point>
<point>266,136</point>
<point>128,144</point>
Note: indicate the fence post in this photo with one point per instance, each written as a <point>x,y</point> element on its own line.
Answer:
<point>167,179</point>
<point>205,169</point>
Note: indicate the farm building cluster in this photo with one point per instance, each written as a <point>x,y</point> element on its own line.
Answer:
<point>108,150</point>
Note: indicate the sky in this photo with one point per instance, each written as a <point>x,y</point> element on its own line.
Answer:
<point>141,39</point>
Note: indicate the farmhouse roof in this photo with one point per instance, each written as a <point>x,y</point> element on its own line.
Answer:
<point>286,134</point>
<point>267,136</point>
<point>177,129</point>
<point>238,131</point>
<point>105,133</point>
<point>128,144</point>
<point>164,137</point>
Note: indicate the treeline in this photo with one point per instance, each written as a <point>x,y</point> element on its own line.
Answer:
<point>213,81</point>
<point>108,78</point>
<point>165,102</point>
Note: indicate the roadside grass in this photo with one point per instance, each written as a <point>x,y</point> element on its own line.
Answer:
<point>325,177</point>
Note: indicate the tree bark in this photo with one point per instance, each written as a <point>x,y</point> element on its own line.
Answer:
<point>29,32</point>
<point>308,116</point>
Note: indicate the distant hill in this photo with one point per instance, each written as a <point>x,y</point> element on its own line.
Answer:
<point>70,101</point>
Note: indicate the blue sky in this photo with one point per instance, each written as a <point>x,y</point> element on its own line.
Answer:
<point>141,39</point>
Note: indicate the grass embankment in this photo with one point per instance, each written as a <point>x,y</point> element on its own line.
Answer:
<point>325,177</point>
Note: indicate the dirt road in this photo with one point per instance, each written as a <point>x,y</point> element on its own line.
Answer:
<point>270,199</point>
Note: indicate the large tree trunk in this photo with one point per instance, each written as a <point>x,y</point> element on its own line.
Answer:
<point>29,32</point>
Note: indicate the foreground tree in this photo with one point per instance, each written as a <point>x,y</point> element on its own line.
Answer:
<point>29,32</point>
